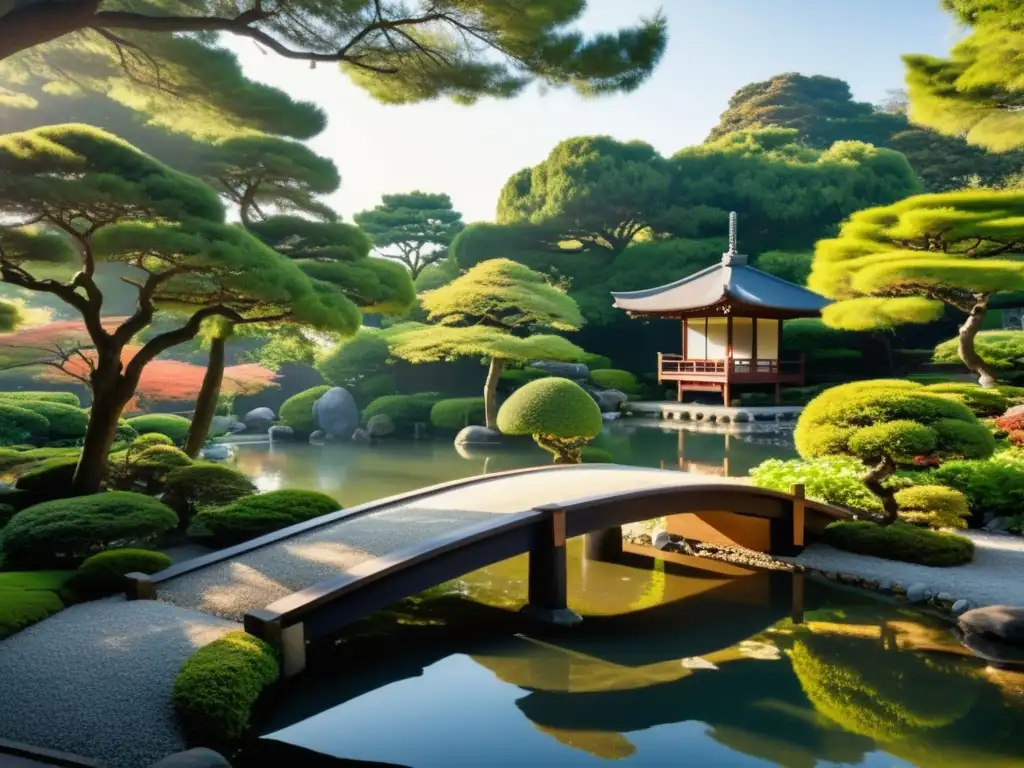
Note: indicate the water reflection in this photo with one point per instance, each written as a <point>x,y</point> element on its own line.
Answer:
<point>681,661</point>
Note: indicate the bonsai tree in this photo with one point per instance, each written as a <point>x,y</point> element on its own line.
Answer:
<point>492,311</point>
<point>903,263</point>
<point>886,424</point>
<point>414,229</point>
<point>558,413</point>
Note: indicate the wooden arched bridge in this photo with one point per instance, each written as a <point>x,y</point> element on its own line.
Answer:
<point>310,580</point>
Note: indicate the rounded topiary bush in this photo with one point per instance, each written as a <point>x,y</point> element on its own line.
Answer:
<point>297,411</point>
<point>596,362</point>
<point>67,422</point>
<point>900,541</point>
<point>66,398</point>
<point>457,412</point>
<point>218,686</point>
<point>20,425</point>
<point>174,427</point>
<point>933,505</point>
<point>517,377</point>
<point>254,516</point>
<point>104,573</point>
<point>186,489</point>
<point>992,487</point>
<point>613,378</point>
<point>161,458</point>
<point>405,411</point>
<point>557,412</point>
<point>50,478</point>
<point>68,530</point>
<point>143,443</point>
<point>982,402</point>
<point>20,608</point>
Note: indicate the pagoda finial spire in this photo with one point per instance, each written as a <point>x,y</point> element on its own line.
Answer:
<point>732,257</point>
<point>732,232</point>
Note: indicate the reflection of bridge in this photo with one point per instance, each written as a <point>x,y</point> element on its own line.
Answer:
<point>313,579</point>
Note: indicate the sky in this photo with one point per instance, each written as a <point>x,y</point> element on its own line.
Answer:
<point>714,48</point>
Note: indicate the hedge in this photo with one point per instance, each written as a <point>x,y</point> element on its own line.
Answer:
<point>253,516</point>
<point>405,411</point>
<point>935,506</point>
<point>67,422</point>
<point>66,398</point>
<point>72,529</point>
<point>20,425</point>
<point>49,479</point>
<point>21,608</point>
<point>218,686</point>
<point>982,402</point>
<point>612,378</point>
<point>204,484</point>
<point>457,412</point>
<point>104,573</point>
<point>297,411</point>
<point>174,427</point>
<point>900,541</point>
<point>995,486</point>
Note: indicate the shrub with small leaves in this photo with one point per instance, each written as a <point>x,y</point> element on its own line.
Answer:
<point>67,398</point>
<point>67,422</point>
<point>994,486</point>
<point>982,402</point>
<point>900,541</point>
<point>253,516</point>
<point>49,479</point>
<point>558,413</point>
<point>405,411</point>
<point>457,412</point>
<point>20,608</point>
<point>934,506</point>
<point>20,425</point>
<point>835,480</point>
<point>187,489</point>
<point>174,427</point>
<point>104,573</point>
<point>612,378</point>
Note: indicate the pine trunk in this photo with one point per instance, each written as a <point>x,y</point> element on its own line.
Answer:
<point>104,415</point>
<point>206,402</point>
<point>874,480</point>
<point>965,344</point>
<point>491,393</point>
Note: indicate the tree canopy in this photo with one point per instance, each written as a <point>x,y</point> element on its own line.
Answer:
<point>978,92</point>
<point>414,229</point>
<point>399,52</point>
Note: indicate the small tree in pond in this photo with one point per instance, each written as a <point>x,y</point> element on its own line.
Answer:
<point>492,312</point>
<point>558,413</point>
<point>889,424</point>
<point>903,262</point>
<point>414,229</point>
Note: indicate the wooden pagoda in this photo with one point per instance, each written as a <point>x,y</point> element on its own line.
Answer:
<point>732,316</point>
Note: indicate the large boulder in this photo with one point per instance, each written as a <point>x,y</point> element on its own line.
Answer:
<point>336,413</point>
<point>574,371</point>
<point>380,425</point>
<point>259,419</point>
<point>995,632</point>
<point>610,400</point>
<point>475,435</point>
<point>200,757</point>
<point>223,425</point>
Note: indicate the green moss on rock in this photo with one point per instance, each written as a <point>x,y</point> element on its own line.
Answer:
<point>297,411</point>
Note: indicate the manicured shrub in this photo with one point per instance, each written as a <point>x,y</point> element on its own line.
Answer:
<point>161,458</point>
<point>962,440</point>
<point>72,529</point>
<point>982,402</point>
<point>18,461</point>
<point>21,608</point>
<point>369,389</point>
<point>104,572</point>
<point>1000,349</point>
<point>900,541</point>
<point>405,411</point>
<point>67,422</point>
<point>517,377</point>
<point>935,506</point>
<point>187,489</point>
<point>253,516</point>
<point>125,433</point>
<point>20,425</point>
<point>49,479</point>
<point>994,486</point>
<point>297,411</point>
<point>591,455</point>
<point>18,500</point>
<point>67,398</point>
<point>596,362</point>
<point>612,378</point>
<point>558,413</point>
<point>143,443</point>
<point>836,480</point>
<point>1011,421</point>
<point>218,686</point>
<point>174,427</point>
<point>457,412</point>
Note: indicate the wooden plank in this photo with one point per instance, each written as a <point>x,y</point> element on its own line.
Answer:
<point>799,521</point>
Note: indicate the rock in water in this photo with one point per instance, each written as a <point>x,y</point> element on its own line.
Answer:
<point>336,413</point>
<point>610,400</point>
<point>216,452</point>
<point>280,434</point>
<point>574,371</point>
<point>476,435</point>
<point>995,632</point>
<point>318,436</point>
<point>380,425</point>
<point>221,425</point>
<point>259,419</point>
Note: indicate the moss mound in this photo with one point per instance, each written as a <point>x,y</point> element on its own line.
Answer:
<point>187,489</point>
<point>550,406</point>
<point>66,398</point>
<point>297,411</point>
<point>21,608</point>
<point>934,506</point>
<point>613,378</point>
<point>457,412</point>
<point>218,686</point>
<point>405,411</point>
<point>67,422</point>
<point>49,479</point>
<point>104,572</point>
<point>20,425</point>
<point>254,516</point>
<point>174,427</point>
<point>900,541</point>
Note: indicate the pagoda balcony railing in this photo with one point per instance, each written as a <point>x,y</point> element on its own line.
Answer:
<point>676,368</point>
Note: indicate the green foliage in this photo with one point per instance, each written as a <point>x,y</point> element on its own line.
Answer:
<point>253,516</point>
<point>66,398</point>
<point>6,513</point>
<point>414,229</point>
<point>420,343</point>
<point>900,541</point>
<point>297,411</point>
<point>18,425</point>
<point>405,411</point>
<point>169,425</point>
<point>791,267</point>
<point>20,608</point>
<point>613,378</point>
<point>982,402</point>
<point>72,529</point>
<point>934,506</point>
<point>218,686</point>
<point>994,486</point>
<point>901,439</point>
<point>458,412</point>
<point>591,455</point>
<point>516,377</point>
<point>557,412</point>
<point>104,573</point>
<point>595,361</point>
<point>1000,349</point>
<point>67,422</point>
<point>161,458</point>
<point>190,488</point>
<point>148,440</point>
<point>815,339</point>
<point>50,478</point>
<point>836,480</point>
<point>355,358</point>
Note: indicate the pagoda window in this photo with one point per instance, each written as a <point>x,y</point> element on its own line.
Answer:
<point>767,339</point>
<point>742,338</point>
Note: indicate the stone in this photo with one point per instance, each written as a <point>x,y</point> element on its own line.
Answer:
<point>360,436</point>
<point>610,400</point>
<point>988,518</point>
<point>317,436</point>
<point>280,433</point>
<point>660,539</point>
<point>917,592</point>
<point>1003,622</point>
<point>336,413</point>
<point>885,585</point>
<point>945,597</point>
<point>476,435</point>
<point>610,416</point>
<point>216,452</point>
<point>222,425</point>
<point>997,525</point>
<point>961,606</point>
<point>259,419</point>
<point>200,757</point>
<point>380,425</point>
<point>574,371</point>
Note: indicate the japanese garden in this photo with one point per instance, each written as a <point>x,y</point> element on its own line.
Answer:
<point>510,383</point>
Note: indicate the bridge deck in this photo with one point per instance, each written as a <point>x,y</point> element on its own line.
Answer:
<point>259,577</point>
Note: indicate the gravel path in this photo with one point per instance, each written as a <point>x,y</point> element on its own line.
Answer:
<point>96,679</point>
<point>258,578</point>
<point>994,577</point>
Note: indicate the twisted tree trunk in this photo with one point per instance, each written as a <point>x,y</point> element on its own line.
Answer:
<point>874,480</point>
<point>491,393</point>
<point>965,342</point>
<point>206,402</point>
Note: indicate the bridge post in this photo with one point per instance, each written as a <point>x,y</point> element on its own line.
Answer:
<point>604,546</point>
<point>290,640</point>
<point>548,598</point>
